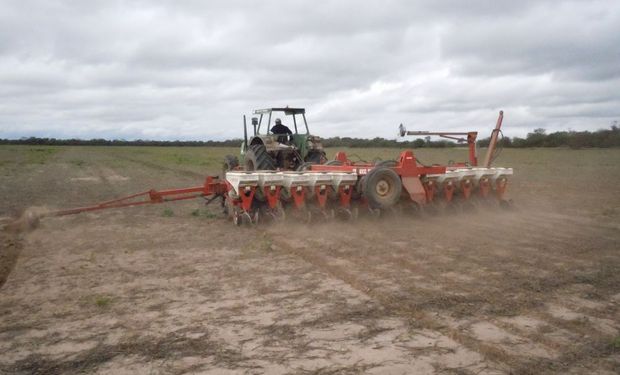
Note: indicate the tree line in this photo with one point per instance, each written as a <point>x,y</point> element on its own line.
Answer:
<point>538,138</point>
<point>603,138</point>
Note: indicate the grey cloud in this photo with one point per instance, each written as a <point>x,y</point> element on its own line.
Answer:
<point>190,69</point>
<point>577,40</point>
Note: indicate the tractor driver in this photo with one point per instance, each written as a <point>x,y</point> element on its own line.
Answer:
<point>282,131</point>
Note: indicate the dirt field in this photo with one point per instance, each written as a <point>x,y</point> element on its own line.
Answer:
<point>176,288</point>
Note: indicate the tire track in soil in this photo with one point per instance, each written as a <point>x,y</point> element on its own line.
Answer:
<point>10,247</point>
<point>461,288</point>
<point>562,226</point>
<point>530,235</point>
<point>408,311</point>
<point>395,306</point>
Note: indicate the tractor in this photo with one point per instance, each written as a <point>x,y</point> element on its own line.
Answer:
<point>265,150</point>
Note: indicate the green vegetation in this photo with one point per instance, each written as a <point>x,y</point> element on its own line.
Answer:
<point>13,155</point>
<point>167,212</point>
<point>203,213</point>
<point>102,301</point>
<point>40,155</point>
<point>78,163</point>
<point>265,243</point>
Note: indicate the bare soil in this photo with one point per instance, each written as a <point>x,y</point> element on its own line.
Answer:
<point>176,288</point>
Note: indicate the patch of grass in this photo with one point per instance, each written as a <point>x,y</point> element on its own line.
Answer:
<point>77,162</point>
<point>39,155</point>
<point>264,243</point>
<point>615,343</point>
<point>198,159</point>
<point>203,213</point>
<point>103,302</point>
<point>167,212</point>
<point>210,215</point>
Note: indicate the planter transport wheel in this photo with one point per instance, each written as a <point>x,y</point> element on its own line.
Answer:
<point>382,187</point>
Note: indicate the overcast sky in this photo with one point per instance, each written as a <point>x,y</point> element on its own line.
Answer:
<point>191,69</point>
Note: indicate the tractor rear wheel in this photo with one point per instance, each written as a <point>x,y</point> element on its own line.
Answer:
<point>257,158</point>
<point>382,187</point>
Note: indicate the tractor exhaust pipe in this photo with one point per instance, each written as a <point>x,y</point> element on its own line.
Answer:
<point>245,133</point>
<point>493,141</point>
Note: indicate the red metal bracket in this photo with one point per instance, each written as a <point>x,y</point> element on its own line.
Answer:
<point>344,193</point>
<point>500,187</point>
<point>247,196</point>
<point>484,187</point>
<point>299,196</point>
<point>321,194</point>
<point>466,187</point>
<point>272,193</point>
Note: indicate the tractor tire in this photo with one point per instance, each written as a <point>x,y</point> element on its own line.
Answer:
<point>386,163</point>
<point>358,192</point>
<point>316,157</point>
<point>257,158</point>
<point>382,187</point>
<point>230,162</point>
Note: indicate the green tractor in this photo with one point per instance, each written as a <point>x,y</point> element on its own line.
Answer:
<point>289,150</point>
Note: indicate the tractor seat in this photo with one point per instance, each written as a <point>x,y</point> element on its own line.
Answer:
<point>282,138</point>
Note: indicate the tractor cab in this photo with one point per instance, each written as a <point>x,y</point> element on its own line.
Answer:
<point>264,122</point>
<point>269,151</point>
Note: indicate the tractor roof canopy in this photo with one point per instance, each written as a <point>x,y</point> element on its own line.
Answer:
<point>258,122</point>
<point>287,111</point>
